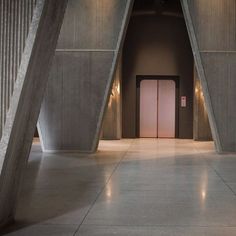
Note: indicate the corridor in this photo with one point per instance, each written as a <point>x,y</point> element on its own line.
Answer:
<point>141,187</point>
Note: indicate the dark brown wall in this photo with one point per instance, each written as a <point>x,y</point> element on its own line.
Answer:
<point>111,129</point>
<point>201,126</point>
<point>157,45</point>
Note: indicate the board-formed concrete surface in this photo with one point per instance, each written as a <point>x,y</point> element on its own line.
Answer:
<point>212,27</point>
<point>82,75</point>
<point>15,19</point>
<point>26,100</point>
<point>141,187</point>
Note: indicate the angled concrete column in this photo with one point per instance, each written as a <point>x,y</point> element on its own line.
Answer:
<point>82,74</point>
<point>212,28</point>
<point>26,100</point>
<point>15,19</point>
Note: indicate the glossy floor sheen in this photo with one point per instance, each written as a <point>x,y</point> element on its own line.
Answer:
<point>137,187</point>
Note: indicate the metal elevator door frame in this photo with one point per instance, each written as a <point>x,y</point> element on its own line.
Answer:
<point>139,79</point>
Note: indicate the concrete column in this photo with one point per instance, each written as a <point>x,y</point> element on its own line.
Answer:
<point>15,19</point>
<point>212,28</point>
<point>26,100</point>
<point>201,125</point>
<point>111,129</point>
<point>82,75</point>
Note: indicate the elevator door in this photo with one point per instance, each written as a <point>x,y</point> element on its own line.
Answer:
<point>148,108</point>
<point>157,109</point>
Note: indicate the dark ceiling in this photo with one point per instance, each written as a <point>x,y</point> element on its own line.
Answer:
<point>158,5</point>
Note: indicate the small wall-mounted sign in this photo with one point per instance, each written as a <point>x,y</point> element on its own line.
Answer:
<point>183,101</point>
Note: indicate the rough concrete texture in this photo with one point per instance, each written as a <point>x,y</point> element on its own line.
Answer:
<point>212,29</point>
<point>15,19</point>
<point>26,100</point>
<point>82,74</point>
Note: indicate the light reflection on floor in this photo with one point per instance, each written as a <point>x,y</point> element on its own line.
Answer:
<point>129,187</point>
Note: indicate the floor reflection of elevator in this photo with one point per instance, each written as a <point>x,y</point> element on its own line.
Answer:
<point>157,109</point>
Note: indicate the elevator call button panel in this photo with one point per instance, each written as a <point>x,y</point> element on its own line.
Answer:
<point>183,101</point>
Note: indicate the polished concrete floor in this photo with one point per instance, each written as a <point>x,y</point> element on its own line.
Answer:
<point>143,187</point>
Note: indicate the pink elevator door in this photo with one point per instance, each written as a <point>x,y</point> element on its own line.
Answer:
<point>148,109</point>
<point>157,109</point>
<point>166,109</point>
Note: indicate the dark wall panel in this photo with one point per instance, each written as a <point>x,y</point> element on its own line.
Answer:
<point>111,129</point>
<point>201,126</point>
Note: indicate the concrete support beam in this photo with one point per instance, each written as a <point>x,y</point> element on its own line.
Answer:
<point>26,100</point>
<point>212,28</point>
<point>82,75</point>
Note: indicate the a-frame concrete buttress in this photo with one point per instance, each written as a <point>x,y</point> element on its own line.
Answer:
<point>214,51</point>
<point>82,74</point>
<point>26,101</point>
